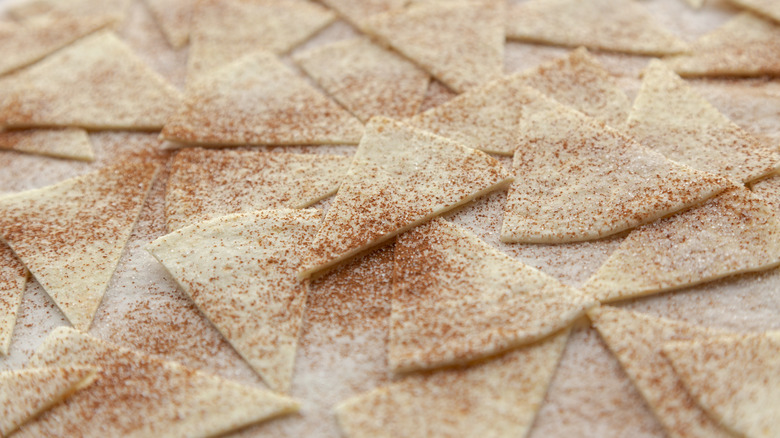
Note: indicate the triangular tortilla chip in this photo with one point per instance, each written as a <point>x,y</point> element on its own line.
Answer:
<point>224,31</point>
<point>461,44</point>
<point>358,12</point>
<point>579,179</point>
<point>400,177</point>
<point>95,83</point>
<point>252,295</point>
<point>734,233</point>
<point>745,46</point>
<point>457,299</point>
<point>13,278</point>
<point>25,394</point>
<point>205,184</point>
<point>767,8</point>
<point>671,118</point>
<point>70,235</point>
<point>357,73</point>
<point>734,378</point>
<point>499,397</point>
<point>614,25</point>
<point>174,18</point>
<point>259,100</point>
<point>636,340</point>
<point>165,398</point>
<point>61,143</point>
<point>116,10</point>
<point>27,44</point>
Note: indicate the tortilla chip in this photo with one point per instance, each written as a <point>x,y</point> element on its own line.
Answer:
<point>745,46</point>
<point>357,73</point>
<point>60,143</point>
<point>457,299</point>
<point>636,340</point>
<point>95,83</point>
<point>206,184</point>
<point>259,100</point>
<point>70,235</point>
<point>499,397</point>
<point>252,295</point>
<point>768,189</point>
<point>460,44</point>
<point>24,394</point>
<point>671,118</point>
<point>115,10</point>
<point>174,18</point>
<point>614,25</point>
<point>767,8</point>
<point>733,233</point>
<point>13,279</point>
<point>224,31</point>
<point>165,398</point>
<point>357,13</point>
<point>578,179</point>
<point>400,177</point>
<point>736,379</point>
<point>23,45</point>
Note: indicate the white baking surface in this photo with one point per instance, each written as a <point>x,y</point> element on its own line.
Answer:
<point>342,348</point>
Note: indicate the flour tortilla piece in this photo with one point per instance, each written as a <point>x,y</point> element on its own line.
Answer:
<point>70,235</point>
<point>736,379</point>
<point>356,13</point>
<point>224,31</point>
<point>456,299</point>
<point>745,46</point>
<point>496,398</point>
<point>578,179</point>
<point>615,25</point>
<point>174,18</point>
<point>461,44</point>
<point>259,100</point>
<point>734,233</point>
<point>115,10</point>
<point>636,341</point>
<point>95,83</point>
<point>25,394</point>
<point>24,45</point>
<point>768,189</point>
<point>673,119</point>
<point>13,279</point>
<point>137,395</point>
<point>767,8</point>
<point>243,276</point>
<point>366,79</point>
<point>205,184</point>
<point>400,177</point>
<point>72,143</point>
<point>580,81</point>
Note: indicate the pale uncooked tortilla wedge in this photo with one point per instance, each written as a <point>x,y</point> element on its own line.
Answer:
<point>224,31</point>
<point>614,25</point>
<point>95,83</point>
<point>735,232</point>
<point>259,100</point>
<point>23,45</point>
<point>174,18</point>
<point>578,179</point>
<point>205,184</point>
<point>400,177</point>
<point>358,12</point>
<point>461,44</point>
<point>24,394</point>
<point>736,379</point>
<point>496,398</point>
<point>367,79</point>
<point>72,143</point>
<point>13,278</point>
<point>671,118</point>
<point>636,341</point>
<point>166,399</point>
<point>241,271</point>
<point>116,10</point>
<point>745,46</point>
<point>456,299</point>
<point>767,8</point>
<point>70,235</point>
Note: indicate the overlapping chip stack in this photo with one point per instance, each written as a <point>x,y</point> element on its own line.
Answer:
<point>389,218</point>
